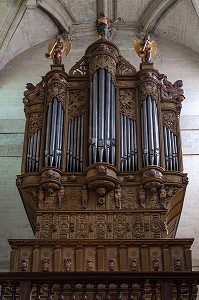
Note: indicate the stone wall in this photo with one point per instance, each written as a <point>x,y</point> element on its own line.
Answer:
<point>174,60</point>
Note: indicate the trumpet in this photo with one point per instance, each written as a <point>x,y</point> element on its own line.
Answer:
<point>48,54</point>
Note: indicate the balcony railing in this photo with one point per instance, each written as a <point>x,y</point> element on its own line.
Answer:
<point>99,285</point>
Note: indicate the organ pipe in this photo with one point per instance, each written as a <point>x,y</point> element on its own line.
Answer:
<point>171,150</point>
<point>102,118</point>
<point>150,132</point>
<point>113,123</point>
<point>128,144</point>
<point>75,145</point>
<point>54,129</point>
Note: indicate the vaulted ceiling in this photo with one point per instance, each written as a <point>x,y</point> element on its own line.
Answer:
<point>26,23</point>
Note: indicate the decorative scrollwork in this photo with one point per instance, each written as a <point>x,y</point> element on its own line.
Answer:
<point>169,120</point>
<point>58,91</point>
<point>103,62</point>
<point>124,67</point>
<point>80,68</point>
<point>76,104</point>
<point>149,88</point>
<point>127,103</point>
<point>35,123</point>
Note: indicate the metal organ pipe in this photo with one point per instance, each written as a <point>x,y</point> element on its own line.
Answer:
<point>171,150</point>
<point>75,145</point>
<point>156,134</point>
<point>94,124</point>
<point>113,124</point>
<point>90,123</point>
<point>150,132</point>
<point>121,142</point>
<point>128,144</point>
<point>54,131</point>
<point>107,116</point>
<point>150,118</point>
<point>102,118</point>
<point>145,145</point>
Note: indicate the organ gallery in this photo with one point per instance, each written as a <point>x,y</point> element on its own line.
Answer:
<point>102,177</point>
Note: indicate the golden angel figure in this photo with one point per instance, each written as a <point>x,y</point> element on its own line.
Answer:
<point>56,50</point>
<point>145,48</point>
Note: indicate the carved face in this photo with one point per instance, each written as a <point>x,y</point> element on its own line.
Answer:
<point>67,264</point>
<point>111,265</point>
<point>24,265</point>
<point>133,265</point>
<point>45,265</point>
<point>156,265</point>
<point>101,169</point>
<point>50,173</point>
<point>89,265</point>
<point>101,191</point>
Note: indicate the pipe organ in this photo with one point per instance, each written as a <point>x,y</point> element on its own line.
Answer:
<point>102,118</point>
<point>102,175</point>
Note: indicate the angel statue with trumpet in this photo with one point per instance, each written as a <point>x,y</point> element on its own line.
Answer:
<point>56,49</point>
<point>145,48</point>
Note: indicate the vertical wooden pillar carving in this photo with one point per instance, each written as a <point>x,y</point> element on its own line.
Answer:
<point>57,258</point>
<point>79,258</point>
<point>35,259</point>
<point>100,258</point>
<point>144,257</point>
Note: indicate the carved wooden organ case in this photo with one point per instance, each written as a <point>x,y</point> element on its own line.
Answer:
<point>102,178</point>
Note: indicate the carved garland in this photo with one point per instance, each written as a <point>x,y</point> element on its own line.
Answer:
<point>76,104</point>
<point>35,124</point>
<point>169,120</point>
<point>103,62</point>
<point>127,103</point>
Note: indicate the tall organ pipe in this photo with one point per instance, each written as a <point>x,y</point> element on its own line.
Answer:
<point>145,145</point>
<point>53,132</point>
<point>95,117</point>
<point>90,122</point>
<point>150,132</point>
<point>122,142</point>
<point>101,94</point>
<point>81,142</point>
<point>171,152</point>
<point>150,118</point>
<point>128,144</point>
<point>125,143</point>
<point>48,130</point>
<point>54,128</point>
<point>113,123</point>
<point>58,134</point>
<point>107,116</point>
<point>102,118</point>
<point>135,145</point>
<point>37,149</point>
<point>75,145</point>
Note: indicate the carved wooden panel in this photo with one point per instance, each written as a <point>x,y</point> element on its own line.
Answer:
<point>127,103</point>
